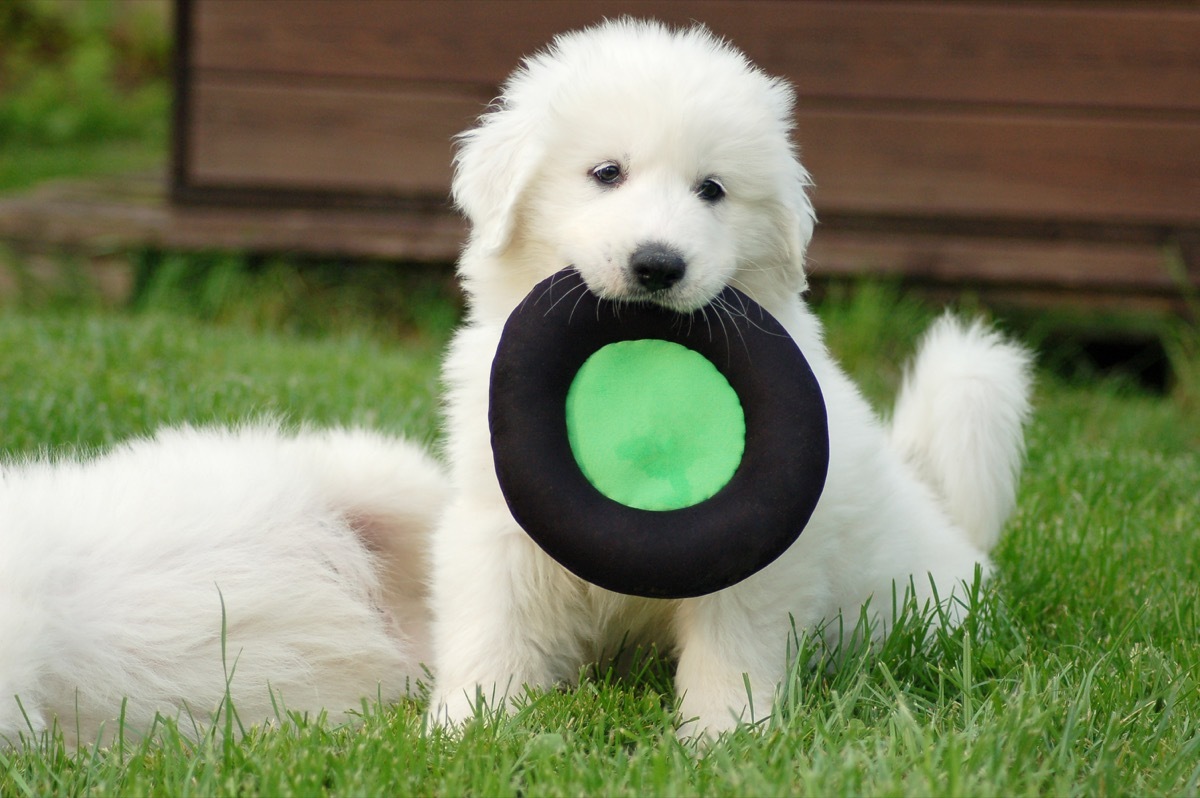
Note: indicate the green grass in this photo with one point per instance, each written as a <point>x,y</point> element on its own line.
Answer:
<point>246,343</point>
<point>24,165</point>
<point>1076,674</point>
<point>83,89</point>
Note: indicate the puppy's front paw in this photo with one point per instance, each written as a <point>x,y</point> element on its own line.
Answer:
<point>705,718</point>
<point>453,709</point>
<point>718,693</point>
<point>449,710</point>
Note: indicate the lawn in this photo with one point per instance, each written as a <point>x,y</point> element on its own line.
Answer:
<point>1076,674</point>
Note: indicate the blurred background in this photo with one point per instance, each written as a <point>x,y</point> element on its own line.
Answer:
<point>84,88</point>
<point>1040,158</point>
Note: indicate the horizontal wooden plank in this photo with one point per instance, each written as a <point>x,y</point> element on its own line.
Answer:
<point>130,213</point>
<point>280,135</point>
<point>301,137</point>
<point>1009,167</point>
<point>972,261</point>
<point>1131,55</point>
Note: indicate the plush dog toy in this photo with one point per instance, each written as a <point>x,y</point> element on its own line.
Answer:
<point>651,452</point>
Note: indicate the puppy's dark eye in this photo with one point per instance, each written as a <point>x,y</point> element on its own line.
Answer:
<point>710,190</point>
<point>607,173</point>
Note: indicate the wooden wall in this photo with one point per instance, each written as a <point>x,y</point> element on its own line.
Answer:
<point>1035,146</point>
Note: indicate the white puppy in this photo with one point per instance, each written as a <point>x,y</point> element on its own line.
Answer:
<point>630,134</point>
<point>280,570</point>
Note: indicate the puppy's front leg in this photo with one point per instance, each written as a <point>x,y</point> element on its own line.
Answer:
<point>733,654</point>
<point>504,615</point>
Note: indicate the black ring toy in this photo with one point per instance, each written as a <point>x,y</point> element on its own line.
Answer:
<point>684,551</point>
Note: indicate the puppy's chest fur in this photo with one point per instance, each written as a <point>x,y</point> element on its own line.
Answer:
<point>618,629</point>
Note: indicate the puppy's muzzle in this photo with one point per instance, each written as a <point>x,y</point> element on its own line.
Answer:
<point>656,267</point>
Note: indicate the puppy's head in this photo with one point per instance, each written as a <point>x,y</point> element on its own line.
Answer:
<point>658,163</point>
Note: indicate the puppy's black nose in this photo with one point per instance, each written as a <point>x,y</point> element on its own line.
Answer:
<point>656,267</point>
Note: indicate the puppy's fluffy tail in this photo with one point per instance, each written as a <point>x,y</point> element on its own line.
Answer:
<point>959,422</point>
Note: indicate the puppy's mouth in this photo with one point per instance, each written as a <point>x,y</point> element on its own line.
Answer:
<point>655,273</point>
<point>679,298</point>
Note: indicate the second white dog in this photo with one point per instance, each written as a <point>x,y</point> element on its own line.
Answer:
<point>627,136</point>
<point>177,575</point>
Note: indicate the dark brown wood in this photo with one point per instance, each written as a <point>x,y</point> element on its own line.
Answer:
<point>263,133</point>
<point>1031,167</point>
<point>970,260</point>
<point>1135,55</point>
<point>267,133</point>
<point>319,96</point>
<point>1043,146</point>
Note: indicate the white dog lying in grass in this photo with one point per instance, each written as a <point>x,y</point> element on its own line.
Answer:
<point>280,571</point>
<point>627,135</point>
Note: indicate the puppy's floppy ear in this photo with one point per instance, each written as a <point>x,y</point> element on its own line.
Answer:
<point>493,165</point>
<point>799,219</point>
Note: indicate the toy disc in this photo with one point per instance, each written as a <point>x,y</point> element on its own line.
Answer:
<point>651,452</point>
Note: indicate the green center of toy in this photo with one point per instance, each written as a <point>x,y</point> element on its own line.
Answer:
<point>654,425</point>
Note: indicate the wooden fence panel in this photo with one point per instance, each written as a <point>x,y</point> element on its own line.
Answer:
<point>1038,142</point>
<point>266,134</point>
<point>1139,55</point>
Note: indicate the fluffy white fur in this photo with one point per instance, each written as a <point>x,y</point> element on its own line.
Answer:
<point>118,573</point>
<point>926,498</point>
